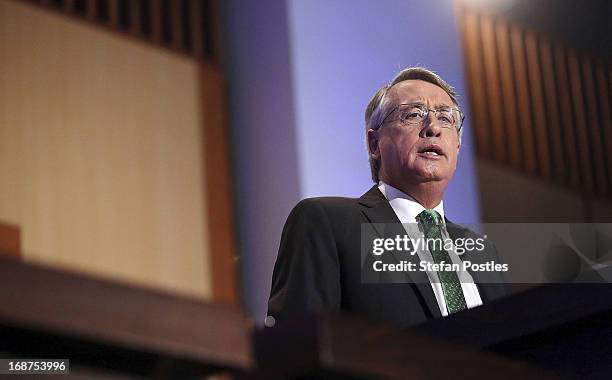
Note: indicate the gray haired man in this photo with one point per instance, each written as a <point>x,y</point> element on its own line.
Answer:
<point>413,130</point>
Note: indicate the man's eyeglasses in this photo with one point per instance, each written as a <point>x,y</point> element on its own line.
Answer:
<point>415,114</point>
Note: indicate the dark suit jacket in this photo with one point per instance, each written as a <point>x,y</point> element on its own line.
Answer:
<point>319,265</point>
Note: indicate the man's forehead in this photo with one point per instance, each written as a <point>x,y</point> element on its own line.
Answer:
<point>414,90</point>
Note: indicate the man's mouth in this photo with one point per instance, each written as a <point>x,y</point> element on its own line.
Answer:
<point>431,151</point>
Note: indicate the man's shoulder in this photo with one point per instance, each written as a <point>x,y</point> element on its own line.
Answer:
<point>336,202</point>
<point>328,206</point>
<point>328,201</point>
<point>335,208</point>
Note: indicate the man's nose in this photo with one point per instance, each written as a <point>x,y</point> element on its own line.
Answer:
<point>431,126</point>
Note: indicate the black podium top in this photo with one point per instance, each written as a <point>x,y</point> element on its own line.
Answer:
<point>564,327</point>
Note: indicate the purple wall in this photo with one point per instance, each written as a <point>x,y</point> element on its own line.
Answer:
<point>301,74</point>
<point>260,109</point>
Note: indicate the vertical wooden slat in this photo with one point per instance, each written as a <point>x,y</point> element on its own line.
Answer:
<point>594,126</point>
<point>215,29</point>
<point>605,116</point>
<point>567,119</point>
<point>196,28</point>
<point>493,89</point>
<point>541,128</point>
<point>471,41</point>
<point>68,5</point>
<point>135,17</point>
<point>609,70</point>
<point>175,22</point>
<point>580,122</point>
<point>553,114</point>
<point>113,13</point>
<point>524,104</point>
<point>92,9</point>
<point>563,103</point>
<point>156,21</point>
<point>509,104</point>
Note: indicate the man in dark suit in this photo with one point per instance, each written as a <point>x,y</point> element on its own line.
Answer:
<point>413,133</point>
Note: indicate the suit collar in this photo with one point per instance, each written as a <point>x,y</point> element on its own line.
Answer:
<point>378,209</point>
<point>406,207</point>
<point>379,212</point>
<point>372,197</point>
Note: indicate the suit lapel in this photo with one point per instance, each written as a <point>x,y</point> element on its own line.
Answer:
<point>379,212</point>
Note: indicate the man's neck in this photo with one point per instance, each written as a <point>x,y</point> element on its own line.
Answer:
<point>428,194</point>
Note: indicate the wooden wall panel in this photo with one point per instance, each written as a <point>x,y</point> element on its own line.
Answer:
<point>549,105</point>
<point>101,152</point>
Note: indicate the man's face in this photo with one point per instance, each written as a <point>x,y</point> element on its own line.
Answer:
<point>416,154</point>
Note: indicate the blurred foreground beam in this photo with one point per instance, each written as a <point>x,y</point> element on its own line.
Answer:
<point>111,326</point>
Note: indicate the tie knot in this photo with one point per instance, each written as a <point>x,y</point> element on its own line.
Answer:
<point>429,217</point>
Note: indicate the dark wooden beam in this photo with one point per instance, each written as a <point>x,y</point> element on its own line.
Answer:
<point>102,323</point>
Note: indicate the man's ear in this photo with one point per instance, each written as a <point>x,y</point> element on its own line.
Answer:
<point>373,144</point>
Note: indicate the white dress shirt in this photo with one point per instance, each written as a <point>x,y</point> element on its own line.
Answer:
<point>407,208</point>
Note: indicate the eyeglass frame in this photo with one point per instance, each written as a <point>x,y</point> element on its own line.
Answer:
<point>458,129</point>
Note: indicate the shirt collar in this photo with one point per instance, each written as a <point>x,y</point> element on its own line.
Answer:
<point>406,207</point>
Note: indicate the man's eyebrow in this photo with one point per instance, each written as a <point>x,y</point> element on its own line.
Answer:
<point>422,100</point>
<point>423,103</point>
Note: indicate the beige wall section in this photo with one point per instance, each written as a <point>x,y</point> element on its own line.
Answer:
<point>100,152</point>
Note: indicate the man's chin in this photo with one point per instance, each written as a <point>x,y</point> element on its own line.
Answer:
<point>432,172</point>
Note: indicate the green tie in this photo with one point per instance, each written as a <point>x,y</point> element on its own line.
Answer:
<point>431,222</point>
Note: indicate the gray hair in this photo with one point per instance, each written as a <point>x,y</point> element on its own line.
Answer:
<point>378,107</point>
